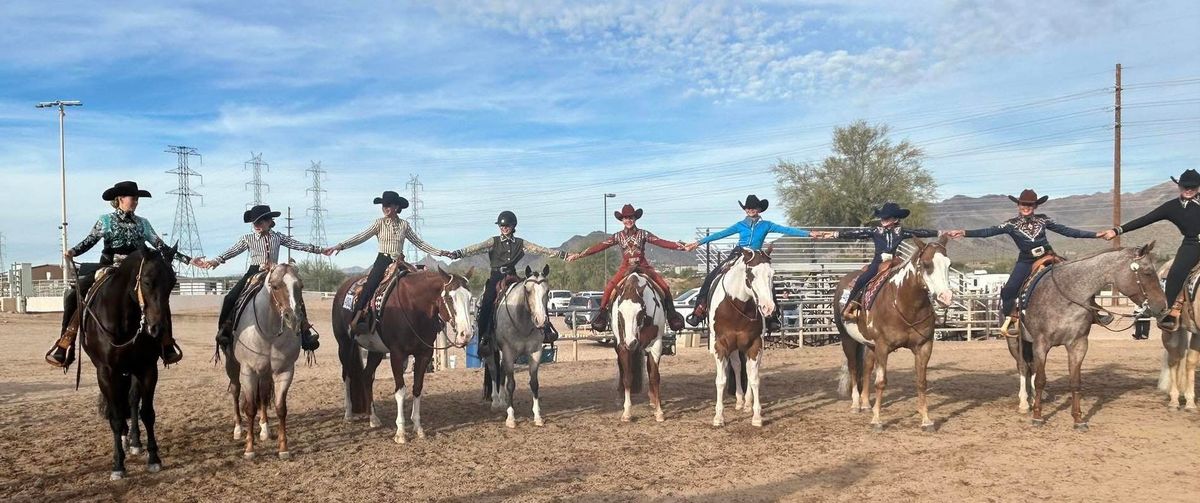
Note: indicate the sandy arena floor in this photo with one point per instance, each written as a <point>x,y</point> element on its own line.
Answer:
<point>53,446</point>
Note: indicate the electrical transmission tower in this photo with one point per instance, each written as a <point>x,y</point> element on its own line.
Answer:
<point>184,231</point>
<point>414,188</point>
<point>256,166</point>
<point>317,210</point>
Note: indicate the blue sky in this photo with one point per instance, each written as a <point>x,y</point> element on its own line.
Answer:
<point>679,107</point>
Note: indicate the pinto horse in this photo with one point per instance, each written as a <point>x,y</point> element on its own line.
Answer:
<point>639,323</point>
<point>420,305</point>
<point>1060,312</point>
<point>119,332</point>
<point>262,362</point>
<point>902,317</point>
<point>1181,351</point>
<point>742,300</point>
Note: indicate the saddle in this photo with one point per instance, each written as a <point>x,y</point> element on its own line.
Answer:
<point>253,285</point>
<point>886,270</point>
<point>502,287</point>
<point>1041,266</point>
<point>391,277</point>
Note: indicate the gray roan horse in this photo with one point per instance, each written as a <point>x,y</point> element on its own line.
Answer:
<point>519,321</point>
<point>902,317</point>
<point>1060,312</point>
<point>1181,351</point>
<point>266,345</point>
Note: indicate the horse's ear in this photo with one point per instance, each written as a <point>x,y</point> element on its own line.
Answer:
<point>291,261</point>
<point>920,243</point>
<point>943,239</point>
<point>1145,249</point>
<point>546,270</point>
<point>770,249</point>
<point>446,276</point>
<point>470,272</point>
<point>528,271</point>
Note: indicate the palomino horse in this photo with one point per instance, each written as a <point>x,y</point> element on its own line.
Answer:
<point>120,332</point>
<point>742,300</point>
<point>519,321</point>
<point>902,317</point>
<point>1181,351</point>
<point>262,362</point>
<point>639,323</point>
<point>1060,312</point>
<point>420,305</point>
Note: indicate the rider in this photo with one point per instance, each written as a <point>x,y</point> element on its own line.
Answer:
<point>633,250</point>
<point>504,251</point>
<point>390,231</point>
<point>752,232</point>
<point>122,233</point>
<point>1028,231</point>
<point>1184,212</point>
<point>263,245</point>
<point>887,237</point>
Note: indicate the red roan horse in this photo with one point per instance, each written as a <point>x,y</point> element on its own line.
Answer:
<point>417,309</point>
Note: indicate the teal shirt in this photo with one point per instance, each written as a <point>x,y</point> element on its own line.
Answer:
<point>752,233</point>
<point>121,232</point>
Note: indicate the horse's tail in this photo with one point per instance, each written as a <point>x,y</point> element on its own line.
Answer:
<point>349,354</point>
<point>845,383</point>
<point>266,391</point>
<point>637,366</point>
<point>731,384</point>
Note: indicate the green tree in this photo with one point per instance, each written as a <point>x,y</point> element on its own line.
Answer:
<point>320,275</point>
<point>865,170</point>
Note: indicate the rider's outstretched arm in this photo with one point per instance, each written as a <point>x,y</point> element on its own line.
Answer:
<point>788,231</point>
<point>1159,213</point>
<point>475,249</point>
<point>289,242</point>
<point>987,232</point>
<point>157,242</point>
<point>90,240</point>
<point>599,247</point>
<point>919,233</point>
<point>360,238</point>
<point>860,233</point>
<point>233,251</point>
<point>1070,232</point>
<point>411,235</point>
<point>542,250</point>
<point>728,231</point>
<point>663,243</point>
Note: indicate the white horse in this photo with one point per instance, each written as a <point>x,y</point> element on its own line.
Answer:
<point>1181,353</point>
<point>519,321</point>
<point>742,301</point>
<point>265,348</point>
<point>640,323</point>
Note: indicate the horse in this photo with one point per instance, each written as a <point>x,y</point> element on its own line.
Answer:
<point>120,333</point>
<point>421,304</point>
<point>902,317</point>
<point>639,323</point>
<point>742,301</point>
<point>1181,352</point>
<point>520,318</point>
<point>262,361</point>
<point>1060,312</point>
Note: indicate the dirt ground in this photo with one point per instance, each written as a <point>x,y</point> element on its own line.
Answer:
<point>53,446</point>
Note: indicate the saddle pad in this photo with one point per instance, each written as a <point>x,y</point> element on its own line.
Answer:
<point>253,285</point>
<point>876,284</point>
<point>1030,285</point>
<point>1193,282</point>
<point>101,276</point>
<point>391,277</point>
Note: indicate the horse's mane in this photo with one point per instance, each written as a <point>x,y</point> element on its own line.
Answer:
<point>1096,254</point>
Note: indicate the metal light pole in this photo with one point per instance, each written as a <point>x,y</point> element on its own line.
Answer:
<point>606,198</point>
<point>62,159</point>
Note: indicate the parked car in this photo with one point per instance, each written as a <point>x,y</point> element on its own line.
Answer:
<point>582,310</point>
<point>590,293</point>
<point>559,300</point>
<point>684,303</point>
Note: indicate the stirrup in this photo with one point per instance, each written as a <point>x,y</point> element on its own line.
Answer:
<point>1011,327</point>
<point>851,311</point>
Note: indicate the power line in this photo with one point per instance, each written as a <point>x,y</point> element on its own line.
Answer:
<point>317,211</point>
<point>184,230</point>
<point>256,166</point>
<point>414,187</point>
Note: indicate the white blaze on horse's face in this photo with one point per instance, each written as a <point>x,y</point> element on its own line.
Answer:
<point>285,288</point>
<point>937,278</point>
<point>537,292</point>
<point>460,299</point>
<point>760,278</point>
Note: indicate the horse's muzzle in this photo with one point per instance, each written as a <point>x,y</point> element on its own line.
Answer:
<point>945,298</point>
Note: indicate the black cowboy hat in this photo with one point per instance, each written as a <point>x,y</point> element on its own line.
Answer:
<point>627,211</point>
<point>891,210</point>
<point>258,212</point>
<point>390,198</point>
<point>1189,179</point>
<point>752,201</point>
<point>507,219</point>
<point>1029,197</point>
<point>125,188</point>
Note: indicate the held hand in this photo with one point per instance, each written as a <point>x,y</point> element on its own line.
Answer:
<point>1107,235</point>
<point>572,257</point>
<point>198,262</point>
<point>69,255</point>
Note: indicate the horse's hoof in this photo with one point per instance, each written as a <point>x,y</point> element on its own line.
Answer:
<point>285,455</point>
<point>400,439</point>
<point>118,475</point>
<point>626,418</point>
<point>154,467</point>
<point>739,406</point>
<point>420,433</point>
<point>1037,422</point>
<point>1172,407</point>
<point>497,405</point>
<point>511,423</point>
<point>856,410</point>
<point>757,422</point>
<point>1022,410</point>
<point>264,435</point>
<point>134,451</point>
<point>539,422</point>
<point>658,416</point>
<point>247,456</point>
<point>237,433</point>
<point>929,428</point>
<point>1081,427</point>
<point>375,422</point>
<point>718,422</point>
<point>1190,408</point>
<point>877,427</point>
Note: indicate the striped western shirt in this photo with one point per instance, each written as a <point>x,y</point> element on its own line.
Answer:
<point>390,233</point>
<point>264,248</point>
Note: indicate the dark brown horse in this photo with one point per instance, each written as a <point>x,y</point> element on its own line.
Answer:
<point>120,333</point>
<point>421,304</point>
<point>639,322</point>
<point>902,316</point>
<point>742,300</point>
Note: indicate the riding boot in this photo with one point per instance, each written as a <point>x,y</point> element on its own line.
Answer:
<point>773,323</point>
<point>1103,318</point>
<point>600,322</point>
<point>674,319</point>
<point>63,352</point>
<point>361,324</point>
<point>309,339</point>
<point>1170,322</point>
<point>851,311</point>
<point>549,334</point>
<point>171,352</point>
<point>225,333</point>
<point>697,316</point>
<point>1010,327</point>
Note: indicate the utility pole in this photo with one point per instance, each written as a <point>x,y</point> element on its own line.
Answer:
<point>289,230</point>
<point>414,186</point>
<point>187,235</point>
<point>62,159</point>
<point>317,211</point>
<point>607,196</point>
<point>256,165</point>
<point>1116,242</point>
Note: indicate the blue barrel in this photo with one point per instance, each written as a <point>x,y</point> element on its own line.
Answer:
<point>473,360</point>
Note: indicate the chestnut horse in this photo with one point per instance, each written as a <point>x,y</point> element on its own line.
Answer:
<point>417,309</point>
<point>902,316</point>
<point>1181,351</point>
<point>639,323</point>
<point>742,300</point>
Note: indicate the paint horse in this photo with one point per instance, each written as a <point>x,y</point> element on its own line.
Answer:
<point>639,322</point>
<point>1181,350</point>
<point>901,316</point>
<point>420,305</point>
<point>742,300</point>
